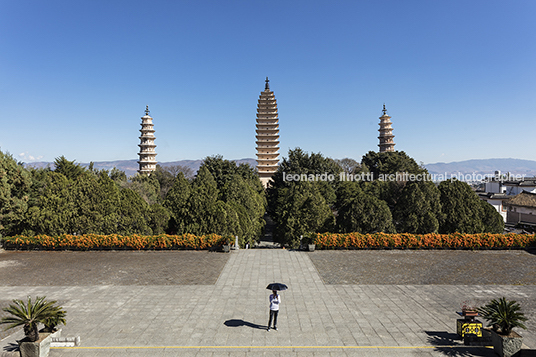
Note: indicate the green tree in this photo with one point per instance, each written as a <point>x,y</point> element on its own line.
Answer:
<point>301,209</point>
<point>165,181</point>
<point>241,201</point>
<point>134,214</point>
<point>461,208</point>
<point>387,163</point>
<point>418,209</point>
<point>118,176</point>
<point>69,169</point>
<point>97,202</point>
<point>175,169</point>
<point>358,211</point>
<point>147,186</point>
<point>491,219</point>
<point>15,184</point>
<point>176,203</point>
<point>220,169</point>
<point>349,166</point>
<point>55,210</point>
<point>159,218</point>
<point>248,204</point>
<point>205,213</point>
<point>300,162</point>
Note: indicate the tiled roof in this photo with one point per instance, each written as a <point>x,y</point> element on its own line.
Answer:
<point>526,199</point>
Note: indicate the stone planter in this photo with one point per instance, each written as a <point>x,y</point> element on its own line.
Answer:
<point>56,334</point>
<point>39,348</point>
<point>226,248</point>
<point>506,346</point>
<point>311,247</point>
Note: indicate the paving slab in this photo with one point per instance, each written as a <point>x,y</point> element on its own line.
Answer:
<point>229,316</point>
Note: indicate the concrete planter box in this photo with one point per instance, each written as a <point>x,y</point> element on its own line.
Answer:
<point>506,346</point>
<point>39,348</point>
<point>311,247</point>
<point>226,248</point>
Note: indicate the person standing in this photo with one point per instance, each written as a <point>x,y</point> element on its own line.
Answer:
<point>275,300</point>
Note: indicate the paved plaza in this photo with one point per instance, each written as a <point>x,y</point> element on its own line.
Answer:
<point>331,308</point>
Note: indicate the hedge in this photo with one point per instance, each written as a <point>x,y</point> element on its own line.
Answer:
<point>422,241</point>
<point>113,241</point>
<point>321,240</point>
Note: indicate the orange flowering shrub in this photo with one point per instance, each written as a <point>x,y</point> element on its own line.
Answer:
<point>422,241</point>
<point>113,241</point>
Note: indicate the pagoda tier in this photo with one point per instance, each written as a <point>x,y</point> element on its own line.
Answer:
<point>387,143</point>
<point>147,155</point>
<point>267,135</point>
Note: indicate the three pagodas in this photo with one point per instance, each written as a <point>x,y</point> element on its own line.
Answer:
<point>267,135</point>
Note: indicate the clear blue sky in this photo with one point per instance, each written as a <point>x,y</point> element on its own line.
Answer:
<point>457,77</point>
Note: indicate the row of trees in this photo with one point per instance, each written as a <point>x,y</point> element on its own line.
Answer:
<point>73,200</point>
<point>223,198</point>
<point>227,199</point>
<point>367,204</point>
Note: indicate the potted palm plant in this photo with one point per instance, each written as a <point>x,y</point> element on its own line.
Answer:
<point>52,322</point>
<point>503,316</point>
<point>28,315</point>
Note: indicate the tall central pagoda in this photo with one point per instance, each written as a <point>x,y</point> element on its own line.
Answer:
<point>267,135</point>
<point>386,133</point>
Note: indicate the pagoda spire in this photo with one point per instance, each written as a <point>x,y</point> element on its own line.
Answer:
<point>387,143</point>
<point>267,135</point>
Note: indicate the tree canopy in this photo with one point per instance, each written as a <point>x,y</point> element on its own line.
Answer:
<point>223,198</point>
<point>307,194</point>
<point>15,184</point>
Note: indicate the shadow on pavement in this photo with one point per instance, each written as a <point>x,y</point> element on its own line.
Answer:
<point>238,323</point>
<point>12,347</point>
<point>531,250</point>
<point>450,344</point>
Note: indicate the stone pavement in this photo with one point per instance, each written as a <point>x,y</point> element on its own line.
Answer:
<point>229,318</point>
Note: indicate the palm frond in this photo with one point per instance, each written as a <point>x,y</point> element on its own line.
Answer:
<point>31,312</point>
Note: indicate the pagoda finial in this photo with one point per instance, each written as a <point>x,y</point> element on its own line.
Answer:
<point>267,85</point>
<point>146,110</point>
<point>384,110</point>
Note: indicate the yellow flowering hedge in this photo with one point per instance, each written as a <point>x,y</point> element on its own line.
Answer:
<point>113,241</point>
<point>422,241</point>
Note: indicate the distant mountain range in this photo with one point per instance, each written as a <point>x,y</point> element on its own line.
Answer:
<point>130,167</point>
<point>483,166</point>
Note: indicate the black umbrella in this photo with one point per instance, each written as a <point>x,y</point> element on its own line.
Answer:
<point>277,286</point>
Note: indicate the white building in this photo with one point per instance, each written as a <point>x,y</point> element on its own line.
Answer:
<point>501,188</point>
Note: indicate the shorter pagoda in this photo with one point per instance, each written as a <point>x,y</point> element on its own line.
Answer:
<point>147,146</point>
<point>387,143</point>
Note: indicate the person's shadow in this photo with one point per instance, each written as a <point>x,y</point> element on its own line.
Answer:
<point>238,323</point>
<point>12,347</point>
